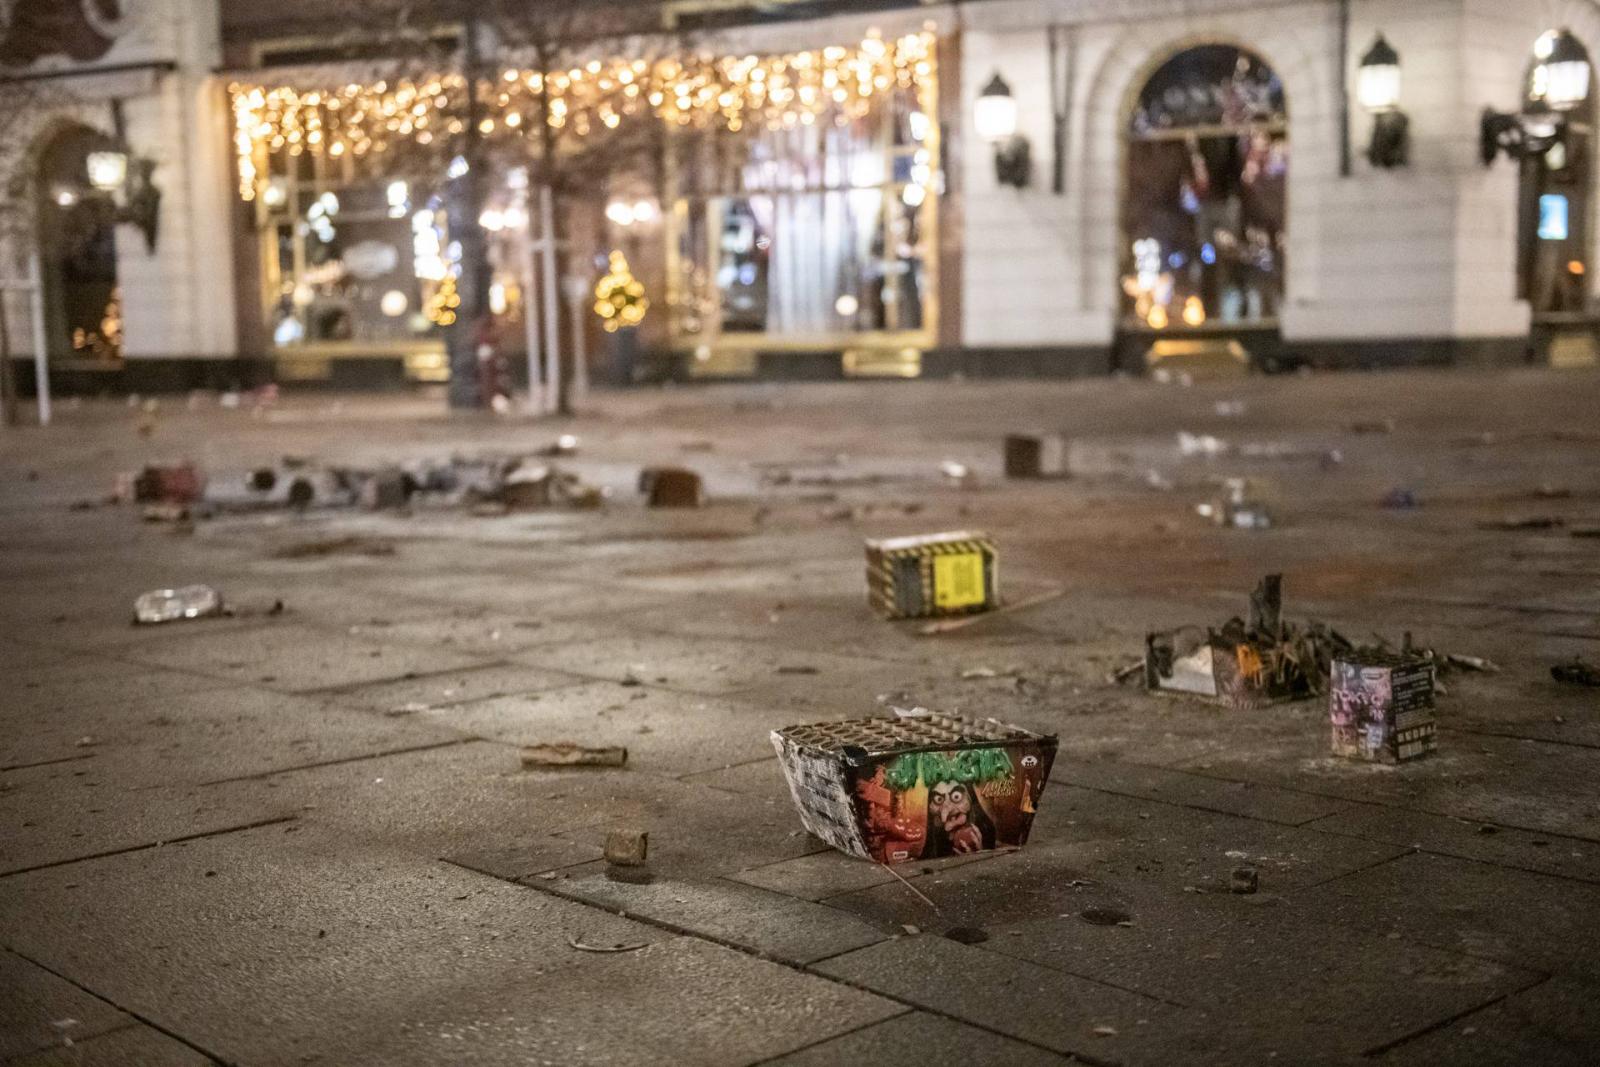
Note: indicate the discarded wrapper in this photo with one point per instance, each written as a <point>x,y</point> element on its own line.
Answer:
<point>170,605</point>
<point>1381,707</point>
<point>918,787</point>
<point>565,754</point>
<point>932,574</point>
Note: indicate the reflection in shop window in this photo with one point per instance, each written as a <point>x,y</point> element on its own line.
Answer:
<point>814,229</point>
<point>1204,211</point>
<point>353,255</point>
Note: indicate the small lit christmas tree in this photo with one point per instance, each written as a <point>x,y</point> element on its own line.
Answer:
<point>619,297</point>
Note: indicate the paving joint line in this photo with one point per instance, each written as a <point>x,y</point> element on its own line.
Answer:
<point>800,968</point>
<point>261,775</point>
<point>1405,1039</point>
<point>831,1037</point>
<point>256,825</point>
<point>131,1013</point>
<point>46,762</point>
<point>409,676</point>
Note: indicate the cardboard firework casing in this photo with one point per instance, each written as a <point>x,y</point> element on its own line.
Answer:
<point>1034,455</point>
<point>915,788</point>
<point>1381,707</point>
<point>932,574</point>
<point>1193,661</point>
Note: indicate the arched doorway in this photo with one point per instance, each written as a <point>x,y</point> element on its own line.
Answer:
<point>1204,203</point>
<point>1554,194</point>
<point>77,250</point>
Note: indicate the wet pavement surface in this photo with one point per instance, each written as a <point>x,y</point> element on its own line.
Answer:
<point>307,837</point>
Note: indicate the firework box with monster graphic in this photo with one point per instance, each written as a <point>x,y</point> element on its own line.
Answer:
<point>1381,707</point>
<point>916,787</point>
<point>932,574</point>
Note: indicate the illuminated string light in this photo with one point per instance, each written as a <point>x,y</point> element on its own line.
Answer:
<point>619,297</point>
<point>733,92</point>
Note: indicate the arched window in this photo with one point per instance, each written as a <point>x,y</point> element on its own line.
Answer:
<point>1554,200</point>
<point>78,250</point>
<point>1204,205</point>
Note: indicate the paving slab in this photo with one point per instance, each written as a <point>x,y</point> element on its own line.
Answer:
<point>294,658</point>
<point>450,688</point>
<point>40,691</point>
<point>1057,1011</point>
<point>39,1010</point>
<point>1522,918</point>
<point>214,733</point>
<point>1552,1024</point>
<point>727,912</point>
<point>664,731</point>
<point>916,1038</point>
<point>127,1047</point>
<point>1194,791</point>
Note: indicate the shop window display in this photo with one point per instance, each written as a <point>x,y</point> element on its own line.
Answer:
<point>1204,212</point>
<point>807,231</point>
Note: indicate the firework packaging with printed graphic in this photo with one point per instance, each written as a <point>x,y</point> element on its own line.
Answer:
<point>932,574</point>
<point>916,787</point>
<point>1381,707</point>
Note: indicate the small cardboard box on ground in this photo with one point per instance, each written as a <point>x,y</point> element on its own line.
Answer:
<point>1227,666</point>
<point>932,574</point>
<point>1035,455</point>
<point>917,787</point>
<point>1381,707</point>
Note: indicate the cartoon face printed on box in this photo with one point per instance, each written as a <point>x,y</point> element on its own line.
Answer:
<point>927,805</point>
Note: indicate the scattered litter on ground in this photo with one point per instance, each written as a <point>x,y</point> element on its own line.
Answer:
<point>1035,455</point>
<point>1229,409</point>
<point>1243,880</point>
<point>1576,673</point>
<point>911,929</point>
<point>671,487</point>
<point>170,605</point>
<point>1156,480</point>
<point>165,513</point>
<point>980,672</point>
<point>1204,444</point>
<point>958,473</point>
<point>1534,522</point>
<point>903,881</point>
<point>565,445</point>
<point>932,574</point>
<point>1104,1031</point>
<point>894,790</point>
<point>582,946</point>
<point>1471,663</point>
<point>627,848</point>
<point>566,754</point>
<point>1105,915</point>
<point>176,483</point>
<point>1123,675</point>
<point>1372,426</point>
<point>1400,499</point>
<point>349,545</point>
<point>798,668</point>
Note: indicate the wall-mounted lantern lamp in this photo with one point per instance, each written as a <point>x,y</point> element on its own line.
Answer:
<point>1378,89</point>
<point>126,183</point>
<point>1559,83</point>
<point>994,118</point>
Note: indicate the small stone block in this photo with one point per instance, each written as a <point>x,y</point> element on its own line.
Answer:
<point>671,487</point>
<point>1035,456</point>
<point>627,848</point>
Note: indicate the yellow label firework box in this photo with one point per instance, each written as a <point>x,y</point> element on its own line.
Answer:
<point>932,574</point>
<point>917,787</point>
<point>1381,707</point>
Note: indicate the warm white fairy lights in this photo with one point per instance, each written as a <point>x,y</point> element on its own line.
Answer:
<point>734,92</point>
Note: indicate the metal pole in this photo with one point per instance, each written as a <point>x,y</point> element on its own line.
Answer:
<point>530,307</point>
<point>552,322</point>
<point>41,358</point>
<point>1344,88</point>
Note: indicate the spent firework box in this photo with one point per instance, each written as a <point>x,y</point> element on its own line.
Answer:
<point>1232,670</point>
<point>917,787</point>
<point>1381,707</point>
<point>932,574</point>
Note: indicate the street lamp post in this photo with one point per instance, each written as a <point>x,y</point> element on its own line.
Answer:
<point>1559,83</point>
<point>994,118</point>
<point>1378,89</point>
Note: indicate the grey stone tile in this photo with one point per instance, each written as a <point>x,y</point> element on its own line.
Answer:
<point>39,1010</point>
<point>1468,839</point>
<point>665,732</point>
<point>729,912</point>
<point>1194,791</point>
<point>449,689</point>
<point>66,811</point>
<point>535,856</point>
<point>758,777</point>
<point>917,1038</point>
<point>192,737</point>
<point>295,658</point>
<point>131,1046</point>
<point>814,877</point>
<point>1521,918</point>
<point>1552,1024</point>
<point>1035,1004</point>
<point>83,681</point>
